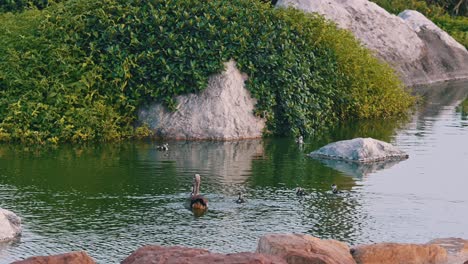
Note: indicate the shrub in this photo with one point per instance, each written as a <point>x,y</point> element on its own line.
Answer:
<point>82,73</point>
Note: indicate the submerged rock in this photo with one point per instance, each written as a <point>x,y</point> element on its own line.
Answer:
<point>391,253</point>
<point>223,111</point>
<point>10,225</point>
<point>78,257</point>
<point>419,57</point>
<point>183,255</point>
<point>360,150</point>
<point>298,248</point>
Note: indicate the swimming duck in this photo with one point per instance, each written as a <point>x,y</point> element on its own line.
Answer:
<point>240,199</point>
<point>300,140</point>
<point>300,192</point>
<point>164,147</point>
<point>197,201</point>
<point>335,189</point>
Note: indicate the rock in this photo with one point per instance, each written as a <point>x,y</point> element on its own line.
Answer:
<point>10,225</point>
<point>418,57</point>
<point>182,255</point>
<point>298,248</point>
<point>223,111</point>
<point>392,253</point>
<point>457,249</point>
<point>360,150</point>
<point>443,56</point>
<point>78,257</point>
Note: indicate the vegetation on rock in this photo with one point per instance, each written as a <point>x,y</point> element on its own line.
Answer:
<point>77,71</point>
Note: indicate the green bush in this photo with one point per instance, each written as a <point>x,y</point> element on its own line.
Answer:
<point>83,71</point>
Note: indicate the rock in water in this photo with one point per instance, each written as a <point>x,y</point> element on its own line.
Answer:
<point>298,248</point>
<point>10,225</point>
<point>361,150</point>
<point>223,111</point>
<point>391,253</point>
<point>418,57</point>
<point>182,255</point>
<point>78,257</point>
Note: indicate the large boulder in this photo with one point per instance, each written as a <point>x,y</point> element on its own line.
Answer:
<point>418,57</point>
<point>393,253</point>
<point>10,225</point>
<point>181,255</point>
<point>457,249</point>
<point>361,150</point>
<point>443,58</point>
<point>223,111</point>
<point>298,249</point>
<point>78,257</point>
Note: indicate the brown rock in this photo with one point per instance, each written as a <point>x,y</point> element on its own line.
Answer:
<point>182,255</point>
<point>457,249</point>
<point>393,253</point>
<point>78,257</point>
<point>298,249</point>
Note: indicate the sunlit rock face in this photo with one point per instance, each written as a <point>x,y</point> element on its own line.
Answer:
<point>182,255</point>
<point>419,57</point>
<point>78,257</point>
<point>360,150</point>
<point>223,111</point>
<point>300,248</point>
<point>10,225</point>
<point>390,253</point>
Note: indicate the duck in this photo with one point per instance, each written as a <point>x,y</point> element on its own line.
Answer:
<point>300,192</point>
<point>335,189</point>
<point>240,199</point>
<point>164,147</point>
<point>198,203</point>
<point>300,140</point>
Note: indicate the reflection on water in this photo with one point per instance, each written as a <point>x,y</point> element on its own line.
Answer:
<point>358,170</point>
<point>111,199</point>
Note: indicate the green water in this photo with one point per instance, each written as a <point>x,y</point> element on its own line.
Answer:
<point>111,199</point>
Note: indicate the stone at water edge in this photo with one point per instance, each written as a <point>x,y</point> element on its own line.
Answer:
<point>222,111</point>
<point>182,255</point>
<point>78,257</point>
<point>300,248</point>
<point>457,249</point>
<point>10,225</point>
<point>360,150</point>
<point>391,253</point>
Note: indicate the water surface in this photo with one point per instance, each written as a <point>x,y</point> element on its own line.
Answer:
<point>111,199</point>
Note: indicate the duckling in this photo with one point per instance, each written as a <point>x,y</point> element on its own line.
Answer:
<point>240,199</point>
<point>164,147</point>
<point>300,192</point>
<point>300,140</point>
<point>335,189</point>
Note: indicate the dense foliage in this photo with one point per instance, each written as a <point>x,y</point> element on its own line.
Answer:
<point>440,12</point>
<point>77,71</point>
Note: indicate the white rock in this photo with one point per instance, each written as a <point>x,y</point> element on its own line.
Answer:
<point>359,150</point>
<point>10,225</point>
<point>223,111</point>
<point>418,21</point>
<point>418,57</point>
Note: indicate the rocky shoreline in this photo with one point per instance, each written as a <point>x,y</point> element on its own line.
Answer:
<point>291,249</point>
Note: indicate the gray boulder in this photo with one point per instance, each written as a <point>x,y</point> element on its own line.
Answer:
<point>361,150</point>
<point>418,57</point>
<point>223,111</point>
<point>10,225</point>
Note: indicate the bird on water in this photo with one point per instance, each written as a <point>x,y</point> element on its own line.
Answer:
<point>198,203</point>
<point>164,147</point>
<point>240,199</point>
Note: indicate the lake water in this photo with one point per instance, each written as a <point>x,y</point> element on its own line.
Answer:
<point>111,199</point>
